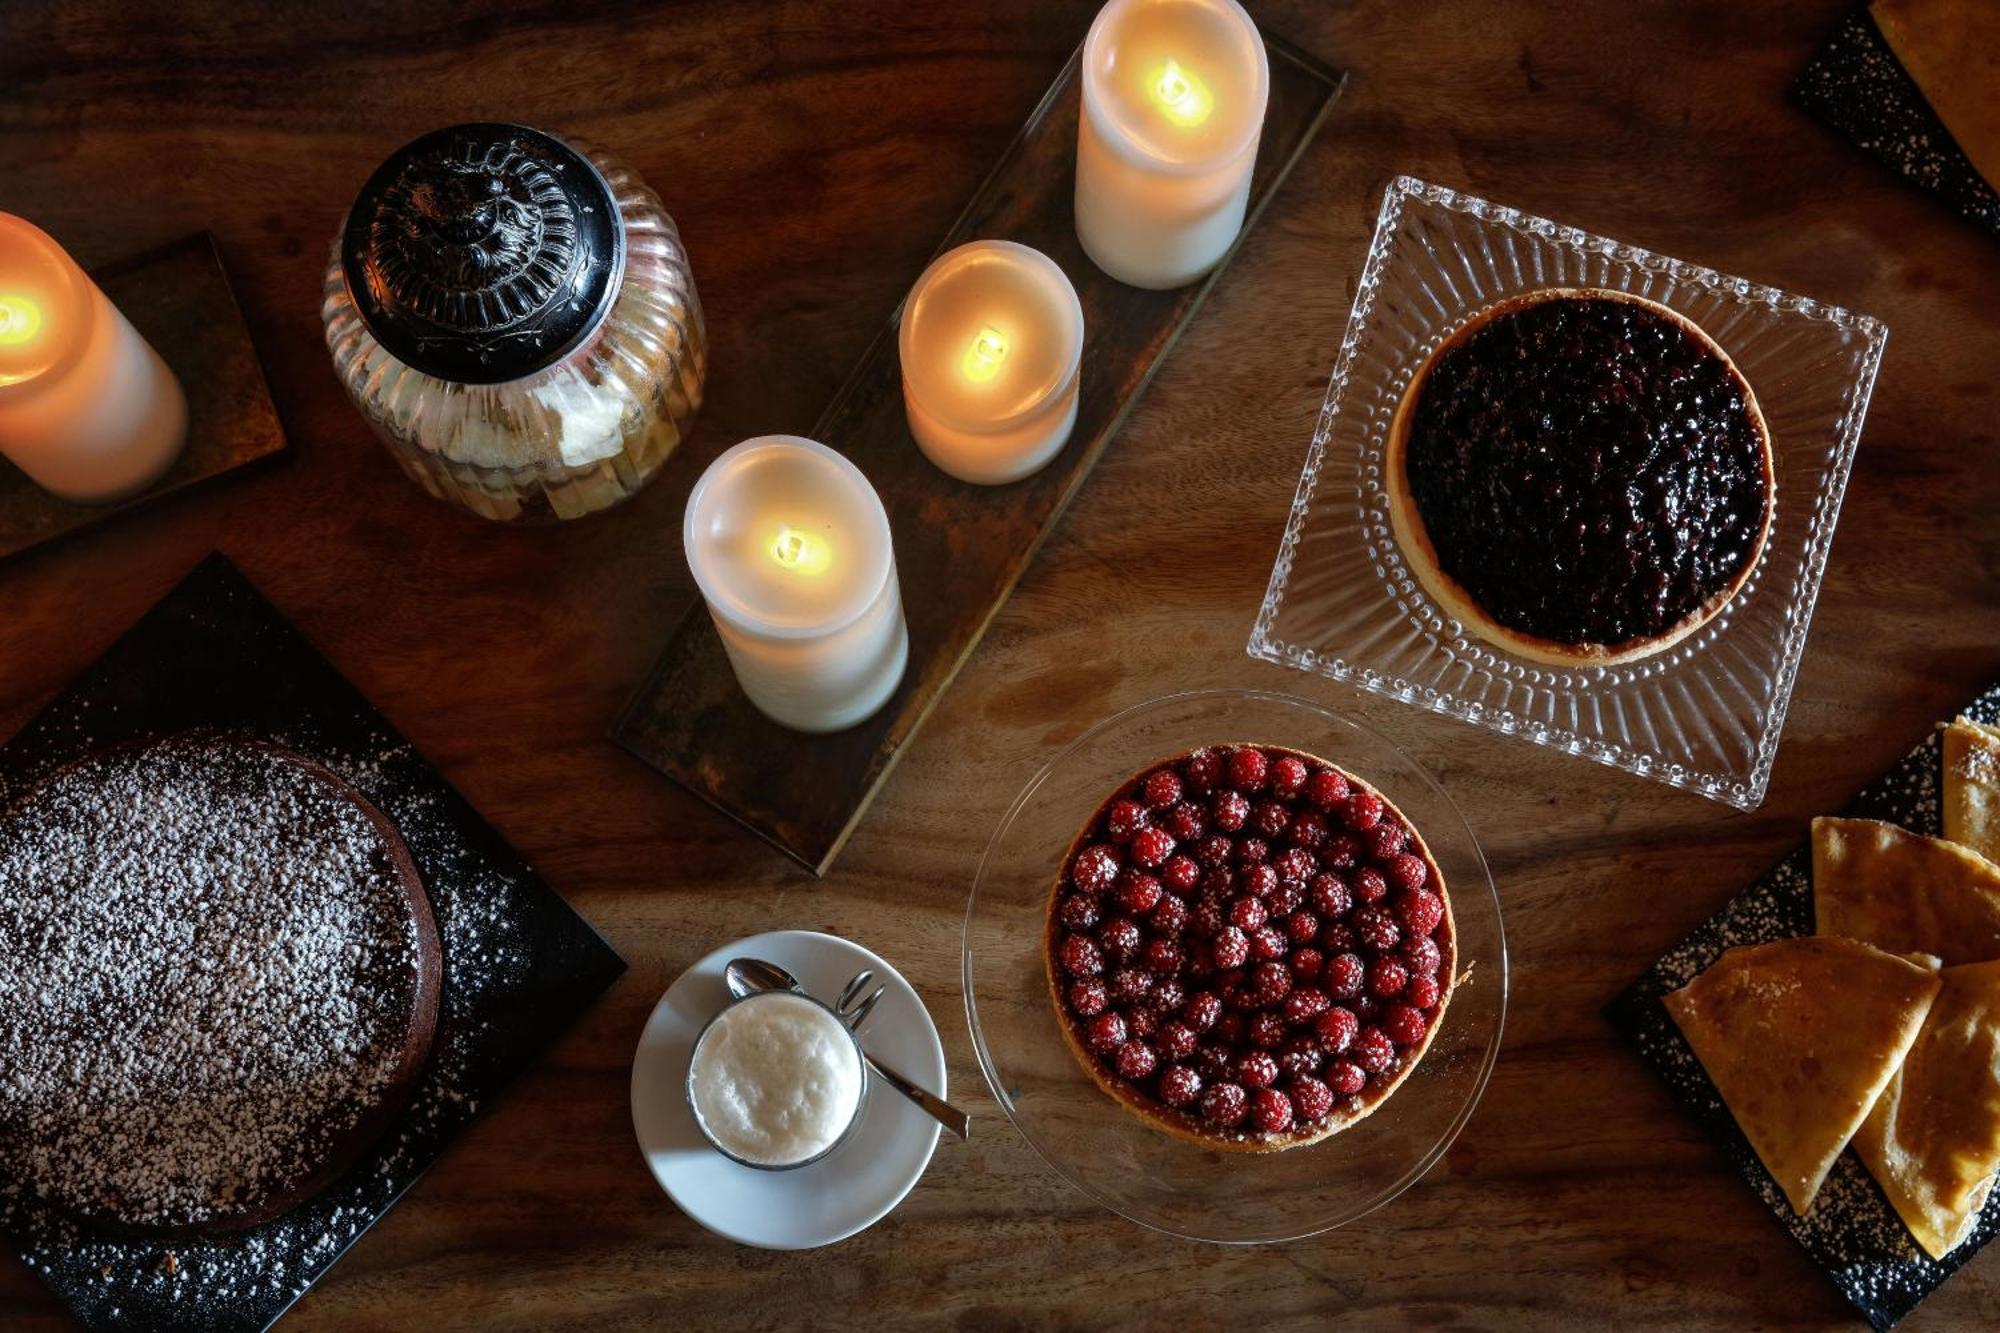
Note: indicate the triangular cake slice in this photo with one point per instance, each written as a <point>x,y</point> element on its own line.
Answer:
<point>1933,1139</point>
<point>1972,786</point>
<point>1903,892</point>
<point>1800,1036</point>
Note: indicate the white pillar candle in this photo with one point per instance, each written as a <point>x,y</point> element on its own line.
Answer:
<point>1173,105</point>
<point>991,343</point>
<point>87,408</point>
<point>790,547</point>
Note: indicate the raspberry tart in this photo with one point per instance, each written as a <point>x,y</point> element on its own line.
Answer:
<point>1248,947</point>
<point>1580,476</point>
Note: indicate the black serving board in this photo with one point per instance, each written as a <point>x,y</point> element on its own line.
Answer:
<point>519,965</point>
<point>960,548</point>
<point>1852,1234</point>
<point>1856,86</point>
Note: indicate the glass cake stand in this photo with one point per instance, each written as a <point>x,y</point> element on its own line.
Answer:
<point>1110,1154</point>
<point>1342,602</point>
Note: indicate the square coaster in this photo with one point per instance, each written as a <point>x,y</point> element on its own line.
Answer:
<point>1852,1233</point>
<point>519,964</point>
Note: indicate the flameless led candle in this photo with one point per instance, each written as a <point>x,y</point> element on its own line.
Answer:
<point>87,408</point>
<point>790,547</point>
<point>1173,105</point>
<point>991,342</point>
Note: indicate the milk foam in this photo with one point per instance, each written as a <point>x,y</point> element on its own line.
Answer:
<point>776,1079</point>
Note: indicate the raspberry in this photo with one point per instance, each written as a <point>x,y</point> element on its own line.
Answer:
<point>1124,819</point>
<point>1213,1063</point>
<point>1337,937</point>
<point>1302,928</point>
<point>1135,1060</point>
<point>1370,886</point>
<point>1405,1026</point>
<point>1225,1104</point>
<point>1151,846</point>
<point>1129,985</point>
<point>1080,957</point>
<point>1210,916</point>
<point>1288,776</point>
<point>1144,1020</point>
<point>1423,992</point>
<point>1271,1111</point>
<point>1248,769</point>
<point>1257,1070</point>
<point>1087,998</point>
<point>1365,1007</point>
<point>1229,1029</point>
<point>1260,880</point>
<point>1219,884</point>
<point>1246,914</point>
<point>1376,929</point>
<point>1345,1077</point>
<point>1231,811</point>
<point>1408,872</point>
<point>1301,1056</point>
<point>1177,1040</point>
<point>1326,789</point>
<point>1162,788</point>
<point>1385,840</point>
<point>1184,821</point>
<point>1137,891</point>
<point>1386,977</point>
<point>1422,956</point>
<point>1179,1086</point>
<point>1285,899</point>
<point>1302,1006</point>
<point>1306,964</point>
<point>1344,976</point>
<point>1374,1052</point>
<point>1267,944</point>
<point>1168,995</point>
<point>1170,917</point>
<point>1181,872</point>
<point>1213,851</point>
<point>1165,957</point>
<point>1267,1030</point>
<point>1273,818</point>
<point>1094,869</point>
<point>1078,912</point>
<point>1330,894</point>
<point>1342,852</point>
<point>1119,937</point>
<point>1231,947</point>
<point>1270,983</point>
<point>1252,851</point>
<point>1312,1098</point>
<point>1295,864</point>
<point>1203,769</point>
<point>1202,1010</point>
<point>1336,1028</point>
<point>1420,912</point>
<point>1363,811</point>
<point>1105,1033</point>
<point>1310,830</point>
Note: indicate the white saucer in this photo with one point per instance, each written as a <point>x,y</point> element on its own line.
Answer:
<point>849,1190</point>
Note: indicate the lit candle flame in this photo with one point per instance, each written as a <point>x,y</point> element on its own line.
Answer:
<point>983,358</point>
<point>20,320</point>
<point>1183,98</point>
<point>801,551</point>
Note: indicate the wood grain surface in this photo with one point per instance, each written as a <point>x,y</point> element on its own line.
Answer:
<point>813,151</point>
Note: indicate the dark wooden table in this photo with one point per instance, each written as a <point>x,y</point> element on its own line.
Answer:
<point>813,153</point>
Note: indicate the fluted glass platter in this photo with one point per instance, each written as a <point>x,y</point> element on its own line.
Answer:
<point>1343,602</point>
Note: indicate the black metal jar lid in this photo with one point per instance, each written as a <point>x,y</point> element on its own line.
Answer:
<point>482,253</point>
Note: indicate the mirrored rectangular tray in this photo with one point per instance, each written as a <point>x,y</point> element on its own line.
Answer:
<point>1703,715</point>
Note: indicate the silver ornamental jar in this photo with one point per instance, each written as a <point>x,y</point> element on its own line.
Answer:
<point>514,315</point>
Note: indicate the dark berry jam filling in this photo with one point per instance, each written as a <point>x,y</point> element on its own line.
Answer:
<point>1588,470</point>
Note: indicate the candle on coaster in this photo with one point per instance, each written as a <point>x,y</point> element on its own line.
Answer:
<point>1173,106</point>
<point>790,547</point>
<point>991,343</point>
<point>87,408</point>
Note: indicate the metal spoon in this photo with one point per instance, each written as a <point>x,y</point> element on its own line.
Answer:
<point>747,976</point>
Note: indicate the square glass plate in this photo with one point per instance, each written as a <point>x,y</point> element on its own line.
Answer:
<point>1704,715</point>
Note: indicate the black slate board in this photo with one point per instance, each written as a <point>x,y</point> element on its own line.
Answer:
<point>1852,1234</point>
<point>520,966</point>
<point>1856,86</point>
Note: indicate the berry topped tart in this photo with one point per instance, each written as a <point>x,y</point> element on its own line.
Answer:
<point>1580,476</point>
<point>1248,947</point>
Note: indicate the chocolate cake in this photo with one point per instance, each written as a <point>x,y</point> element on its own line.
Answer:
<point>1580,476</point>
<point>222,977</point>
